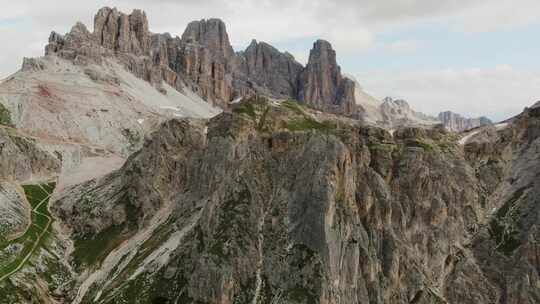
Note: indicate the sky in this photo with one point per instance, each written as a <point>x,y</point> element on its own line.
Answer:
<point>474,57</point>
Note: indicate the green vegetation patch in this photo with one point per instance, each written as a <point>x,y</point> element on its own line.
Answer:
<point>307,263</point>
<point>93,250</point>
<point>294,106</point>
<point>35,194</point>
<point>160,236</point>
<point>503,228</point>
<point>383,147</point>
<point>233,231</point>
<point>5,116</point>
<point>245,108</point>
<point>307,123</point>
<point>39,229</point>
<point>427,147</point>
<point>132,136</point>
<point>301,294</point>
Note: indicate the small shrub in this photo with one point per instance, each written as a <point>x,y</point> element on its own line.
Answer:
<point>5,116</point>
<point>245,108</point>
<point>420,144</point>
<point>308,123</point>
<point>294,106</point>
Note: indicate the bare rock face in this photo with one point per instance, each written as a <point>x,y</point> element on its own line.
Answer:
<point>322,85</point>
<point>208,59</point>
<point>212,34</point>
<point>21,159</point>
<point>123,33</point>
<point>269,68</point>
<point>271,209</point>
<point>77,46</point>
<point>116,35</point>
<point>204,60</point>
<point>398,112</point>
<point>13,211</point>
<point>455,122</point>
<point>282,204</point>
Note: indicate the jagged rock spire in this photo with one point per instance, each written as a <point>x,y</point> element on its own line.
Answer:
<point>322,84</point>
<point>123,33</point>
<point>270,68</point>
<point>211,33</point>
<point>204,59</point>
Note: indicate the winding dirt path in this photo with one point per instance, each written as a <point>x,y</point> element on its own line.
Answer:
<point>40,237</point>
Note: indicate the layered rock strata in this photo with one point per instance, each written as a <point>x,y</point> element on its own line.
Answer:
<point>204,60</point>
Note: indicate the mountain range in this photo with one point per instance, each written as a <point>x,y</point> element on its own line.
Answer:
<point>144,168</point>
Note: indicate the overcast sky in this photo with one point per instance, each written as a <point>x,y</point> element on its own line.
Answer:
<point>478,57</point>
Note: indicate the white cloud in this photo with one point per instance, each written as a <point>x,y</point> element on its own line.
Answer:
<point>403,46</point>
<point>499,92</point>
<point>351,25</point>
<point>494,15</point>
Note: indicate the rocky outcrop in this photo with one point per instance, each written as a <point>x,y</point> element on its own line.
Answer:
<point>322,85</point>
<point>117,31</point>
<point>13,212</point>
<point>208,59</point>
<point>271,70</point>
<point>394,113</point>
<point>506,162</point>
<point>458,123</point>
<point>204,60</point>
<point>22,160</point>
<point>78,46</point>
<point>276,203</point>
<point>212,34</point>
<point>398,112</point>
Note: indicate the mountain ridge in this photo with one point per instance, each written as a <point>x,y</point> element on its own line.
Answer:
<point>159,169</point>
<point>222,75</point>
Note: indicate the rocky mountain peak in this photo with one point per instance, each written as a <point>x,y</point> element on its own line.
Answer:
<point>455,122</point>
<point>321,45</point>
<point>211,33</point>
<point>204,60</point>
<point>271,68</point>
<point>120,32</point>
<point>323,54</point>
<point>387,101</point>
<point>322,84</point>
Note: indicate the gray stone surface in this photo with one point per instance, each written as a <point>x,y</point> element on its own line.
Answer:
<point>322,85</point>
<point>327,215</point>
<point>455,122</point>
<point>204,60</point>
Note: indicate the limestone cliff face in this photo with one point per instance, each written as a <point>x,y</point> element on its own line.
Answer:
<point>322,85</point>
<point>279,204</point>
<point>21,159</point>
<point>398,112</point>
<point>271,69</point>
<point>121,32</point>
<point>456,122</point>
<point>208,59</point>
<point>204,60</point>
<point>210,33</point>
<point>506,246</point>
